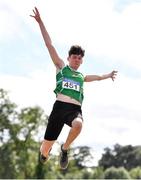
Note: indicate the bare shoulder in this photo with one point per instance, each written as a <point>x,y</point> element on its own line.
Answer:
<point>59,68</point>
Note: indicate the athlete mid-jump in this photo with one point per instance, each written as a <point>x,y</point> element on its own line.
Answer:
<point>69,96</point>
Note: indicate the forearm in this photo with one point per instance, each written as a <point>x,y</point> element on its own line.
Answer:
<point>90,78</point>
<point>45,34</point>
<point>105,76</point>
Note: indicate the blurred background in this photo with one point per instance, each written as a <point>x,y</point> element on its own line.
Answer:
<point>109,31</point>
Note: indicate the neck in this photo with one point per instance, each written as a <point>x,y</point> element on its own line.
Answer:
<point>74,69</point>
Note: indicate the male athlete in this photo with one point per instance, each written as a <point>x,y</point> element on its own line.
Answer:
<point>69,96</point>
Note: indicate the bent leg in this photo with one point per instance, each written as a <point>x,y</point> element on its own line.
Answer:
<point>74,132</point>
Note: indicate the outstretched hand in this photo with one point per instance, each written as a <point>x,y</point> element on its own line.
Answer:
<point>36,15</point>
<point>113,75</point>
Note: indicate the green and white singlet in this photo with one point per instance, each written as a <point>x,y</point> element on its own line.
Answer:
<point>70,82</point>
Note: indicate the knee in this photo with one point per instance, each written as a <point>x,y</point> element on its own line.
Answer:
<point>77,125</point>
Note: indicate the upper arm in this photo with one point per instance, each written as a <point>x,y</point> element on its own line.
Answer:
<point>58,62</point>
<point>89,78</point>
<point>86,78</point>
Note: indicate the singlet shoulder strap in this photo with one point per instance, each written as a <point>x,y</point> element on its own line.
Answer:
<point>60,70</point>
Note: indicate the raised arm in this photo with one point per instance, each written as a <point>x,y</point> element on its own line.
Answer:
<point>89,78</point>
<point>59,63</point>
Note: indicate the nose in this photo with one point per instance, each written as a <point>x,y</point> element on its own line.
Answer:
<point>78,59</point>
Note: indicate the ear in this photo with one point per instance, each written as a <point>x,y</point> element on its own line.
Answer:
<point>68,58</point>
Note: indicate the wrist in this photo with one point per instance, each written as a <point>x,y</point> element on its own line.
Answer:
<point>40,21</point>
<point>109,75</point>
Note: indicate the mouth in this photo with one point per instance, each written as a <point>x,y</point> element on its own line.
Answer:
<point>77,63</point>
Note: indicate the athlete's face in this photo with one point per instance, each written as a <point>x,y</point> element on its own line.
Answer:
<point>75,61</point>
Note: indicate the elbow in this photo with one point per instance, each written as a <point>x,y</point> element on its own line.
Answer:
<point>49,45</point>
<point>86,79</point>
<point>99,78</point>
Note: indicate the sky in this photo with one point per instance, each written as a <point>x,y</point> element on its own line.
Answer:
<point>110,33</point>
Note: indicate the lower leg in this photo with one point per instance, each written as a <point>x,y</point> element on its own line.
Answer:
<point>46,147</point>
<point>74,132</point>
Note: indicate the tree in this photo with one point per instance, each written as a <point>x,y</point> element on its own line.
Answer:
<point>116,173</point>
<point>97,173</point>
<point>82,155</point>
<point>121,156</point>
<point>107,159</point>
<point>18,130</point>
<point>135,173</point>
<point>7,113</point>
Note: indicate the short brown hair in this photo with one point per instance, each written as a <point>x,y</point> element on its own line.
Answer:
<point>76,49</point>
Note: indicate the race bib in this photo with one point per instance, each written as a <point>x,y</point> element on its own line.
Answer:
<point>70,84</point>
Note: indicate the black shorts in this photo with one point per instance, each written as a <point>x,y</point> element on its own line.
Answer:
<point>62,113</point>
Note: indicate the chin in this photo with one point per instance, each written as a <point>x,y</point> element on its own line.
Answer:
<point>76,67</point>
